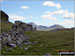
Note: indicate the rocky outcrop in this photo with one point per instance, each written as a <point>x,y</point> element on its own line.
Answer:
<point>4,17</point>
<point>22,27</point>
<point>16,37</point>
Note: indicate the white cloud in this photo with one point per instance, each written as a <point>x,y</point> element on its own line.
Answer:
<point>47,16</point>
<point>58,12</point>
<point>68,15</point>
<point>25,7</point>
<point>37,23</point>
<point>55,12</point>
<point>68,23</point>
<point>51,4</point>
<point>64,14</point>
<point>58,5</point>
<point>15,17</point>
<point>50,15</point>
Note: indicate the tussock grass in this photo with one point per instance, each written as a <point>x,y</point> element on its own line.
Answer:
<point>52,41</point>
<point>43,42</point>
<point>5,26</point>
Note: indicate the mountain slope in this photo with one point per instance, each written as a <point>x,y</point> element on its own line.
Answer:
<point>56,27</point>
<point>46,28</point>
<point>33,24</point>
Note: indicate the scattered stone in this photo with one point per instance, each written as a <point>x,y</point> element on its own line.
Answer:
<point>47,54</point>
<point>12,45</point>
<point>16,35</point>
<point>25,48</point>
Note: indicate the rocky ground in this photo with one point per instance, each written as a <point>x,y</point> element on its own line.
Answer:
<point>15,37</point>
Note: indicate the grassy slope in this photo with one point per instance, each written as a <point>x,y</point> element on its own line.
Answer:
<point>5,26</point>
<point>52,41</point>
<point>47,42</point>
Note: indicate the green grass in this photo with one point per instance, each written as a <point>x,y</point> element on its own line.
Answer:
<point>5,26</point>
<point>47,42</point>
<point>54,40</point>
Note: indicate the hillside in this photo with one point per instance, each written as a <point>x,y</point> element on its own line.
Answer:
<point>47,42</point>
<point>4,23</point>
<point>52,41</point>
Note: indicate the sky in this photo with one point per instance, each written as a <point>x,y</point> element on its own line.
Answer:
<point>42,12</point>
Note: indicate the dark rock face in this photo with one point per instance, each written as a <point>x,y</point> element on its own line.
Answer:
<point>16,37</point>
<point>29,28</point>
<point>22,27</point>
<point>3,16</point>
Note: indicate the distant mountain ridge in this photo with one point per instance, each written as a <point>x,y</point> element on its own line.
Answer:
<point>46,28</point>
<point>56,27</point>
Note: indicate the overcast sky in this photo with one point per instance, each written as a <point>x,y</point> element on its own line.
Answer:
<point>45,13</point>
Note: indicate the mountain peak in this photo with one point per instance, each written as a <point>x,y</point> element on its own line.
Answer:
<point>55,25</point>
<point>40,27</point>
